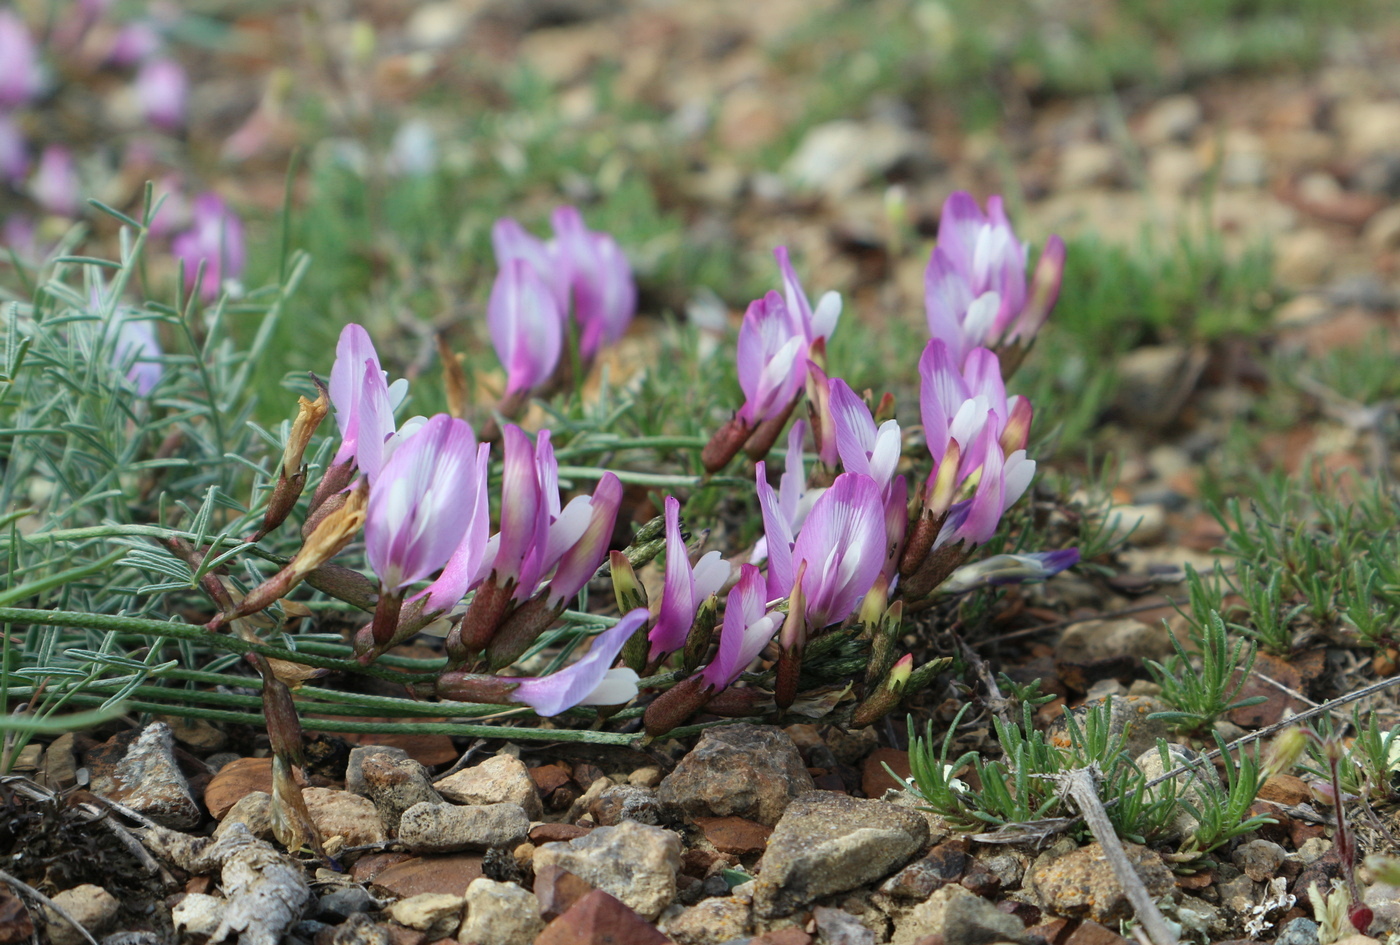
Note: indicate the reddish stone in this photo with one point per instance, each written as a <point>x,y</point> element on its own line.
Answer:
<point>831,781</point>
<point>1091,933</point>
<point>1285,789</point>
<point>15,923</point>
<point>427,750</point>
<point>1054,932</point>
<point>734,834</point>
<point>585,774</point>
<point>1196,881</point>
<point>1276,831</point>
<point>1027,913</point>
<point>370,866</point>
<point>549,777</point>
<point>1275,700</point>
<point>700,863</point>
<point>235,781</point>
<point>600,919</point>
<point>450,874</point>
<point>1299,832</point>
<point>557,890</point>
<point>874,779</point>
<point>554,833</point>
<point>980,880</point>
<point>403,935</point>
<point>782,937</point>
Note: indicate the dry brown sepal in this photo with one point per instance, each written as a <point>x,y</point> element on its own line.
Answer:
<point>291,474</point>
<point>454,379</point>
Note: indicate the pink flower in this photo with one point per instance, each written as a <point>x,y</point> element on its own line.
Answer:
<point>604,292</point>
<point>134,42</point>
<point>842,545</point>
<point>816,323</point>
<point>590,680</point>
<point>416,518</point>
<point>14,156</point>
<point>975,286</point>
<point>863,448</point>
<point>793,500</point>
<point>466,567</point>
<point>772,359</point>
<point>55,185</point>
<point>20,78</point>
<point>745,632</point>
<point>216,240</point>
<point>161,88</point>
<point>526,326</point>
<point>582,559</point>
<point>364,402</point>
<point>685,588</point>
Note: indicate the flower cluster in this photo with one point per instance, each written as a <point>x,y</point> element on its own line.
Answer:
<point>845,544</point>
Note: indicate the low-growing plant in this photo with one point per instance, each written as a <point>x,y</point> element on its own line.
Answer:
<point>1222,813</point>
<point>1200,695</point>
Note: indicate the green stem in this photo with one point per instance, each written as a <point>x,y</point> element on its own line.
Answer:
<point>610,444</point>
<point>649,479</point>
<point>38,586</point>
<point>182,631</point>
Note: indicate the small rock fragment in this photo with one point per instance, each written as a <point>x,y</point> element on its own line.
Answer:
<point>438,914</point>
<point>626,802</point>
<point>632,861</point>
<point>342,814</point>
<point>235,781</point>
<point>500,914</point>
<point>1260,859</point>
<point>734,834</point>
<point>440,874</point>
<point>354,765</point>
<point>837,927</point>
<point>600,919</point>
<point>16,924</point>
<point>198,915</point>
<point>942,865</point>
<point>502,779</point>
<point>750,771</point>
<point>710,922</point>
<point>556,891</point>
<point>93,907</point>
<point>341,904</point>
<point>446,828</point>
<point>828,843</point>
<point>254,811</point>
<point>1082,884</point>
<point>395,785</point>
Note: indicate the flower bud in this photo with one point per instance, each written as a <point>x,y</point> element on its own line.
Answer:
<point>628,591</point>
<point>697,642</point>
<point>725,444</point>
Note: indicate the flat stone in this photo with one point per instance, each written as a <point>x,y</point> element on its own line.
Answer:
<point>237,780</point>
<point>1091,933</point>
<point>875,780</point>
<point>148,780</point>
<point>371,865</point>
<point>340,904</point>
<point>445,828</point>
<point>1260,859</point>
<point>734,834</point>
<point>502,779</point>
<point>500,914</point>
<point>750,771</point>
<point>942,865</point>
<point>1081,883</point>
<point>1285,789</point>
<point>600,919</point>
<point>438,914</point>
<point>632,861</point>
<point>556,833</point>
<point>354,765</point>
<point>197,915</point>
<point>342,814</point>
<point>827,843</point>
<point>838,157</point>
<point>450,874</point>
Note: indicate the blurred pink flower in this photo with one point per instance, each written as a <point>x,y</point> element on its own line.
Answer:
<point>771,359</point>
<point>599,278</point>
<point>20,76</point>
<point>364,403</point>
<point>216,240</point>
<point>526,326</point>
<point>14,155</point>
<point>161,88</point>
<point>55,185</point>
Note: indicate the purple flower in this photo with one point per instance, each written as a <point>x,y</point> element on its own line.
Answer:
<point>1010,569</point>
<point>842,545</point>
<point>589,681</point>
<point>468,564</point>
<point>161,88</point>
<point>364,401</point>
<point>55,184</point>
<point>581,559</point>
<point>20,77</point>
<point>604,292</point>
<point>745,632</point>
<point>14,156</point>
<point>685,588</point>
<point>863,448</point>
<point>975,286</point>
<point>585,270</point>
<point>416,518</point>
<point>816,323</point>
<point>772,362</point>
<point>216,240</point>
<point>526,326</point>
<point>793,500</point>
<point>134,42</point>
<point>1001,480</point>
<point>136,346</point>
